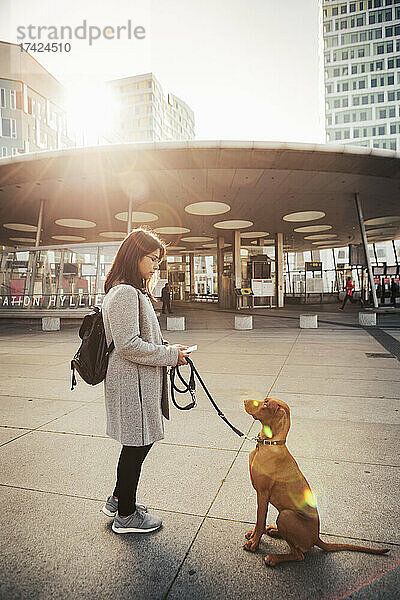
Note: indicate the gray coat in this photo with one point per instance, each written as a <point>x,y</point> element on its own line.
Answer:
<point>135,387</point>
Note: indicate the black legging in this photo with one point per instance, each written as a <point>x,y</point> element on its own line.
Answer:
<point>128,473</point>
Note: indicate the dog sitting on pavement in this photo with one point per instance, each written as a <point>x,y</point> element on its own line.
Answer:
<point>278,480</point>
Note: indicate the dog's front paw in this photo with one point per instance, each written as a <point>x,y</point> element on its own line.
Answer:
<point>271,560</point>
<point>249,534</point>
<point>251,545</point>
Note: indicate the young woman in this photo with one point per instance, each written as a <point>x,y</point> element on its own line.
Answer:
<point>136,392</point>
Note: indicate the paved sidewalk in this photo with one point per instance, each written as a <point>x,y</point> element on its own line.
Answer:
<point>58,466</point>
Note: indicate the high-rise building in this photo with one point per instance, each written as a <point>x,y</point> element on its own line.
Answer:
<point>143,113</point>
<point>32,114</point>
<point>362,72</point>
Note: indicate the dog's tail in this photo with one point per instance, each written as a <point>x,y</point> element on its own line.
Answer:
<point>351,547</point>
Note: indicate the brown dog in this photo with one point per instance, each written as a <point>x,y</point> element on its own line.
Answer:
<point>277,479</point>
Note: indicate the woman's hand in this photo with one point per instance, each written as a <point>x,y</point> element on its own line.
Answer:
<point>179,346</point>
<point>181,358</point>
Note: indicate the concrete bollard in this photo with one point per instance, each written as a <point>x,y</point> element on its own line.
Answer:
<point>367,319</point>
<point>308,321</point>
<point>243,322</point>
<point>51,323</point>
<point>175,323</point>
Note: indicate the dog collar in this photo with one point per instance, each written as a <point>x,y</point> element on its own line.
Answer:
<point>269,442</point>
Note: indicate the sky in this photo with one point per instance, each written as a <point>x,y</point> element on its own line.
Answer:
<point>250,70</point>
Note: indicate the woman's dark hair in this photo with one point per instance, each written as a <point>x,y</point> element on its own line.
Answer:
<point>125,267</point>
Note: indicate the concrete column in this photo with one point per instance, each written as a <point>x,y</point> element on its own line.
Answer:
<point>129,225</point>
<point>34,255</point>
<point>279,286</point>
<point>220,269</point>
<point>191,269</point>
<point>365,244</point>
<point>237,264</point>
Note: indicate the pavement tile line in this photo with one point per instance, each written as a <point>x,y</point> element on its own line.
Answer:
<point>224,479</point>
<point>363,586</point>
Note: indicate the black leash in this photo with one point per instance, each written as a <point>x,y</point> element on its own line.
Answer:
<point>190,387</point>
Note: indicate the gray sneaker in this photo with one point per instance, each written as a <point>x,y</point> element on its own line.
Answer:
<point>137,522</point>
<point>111,506</point>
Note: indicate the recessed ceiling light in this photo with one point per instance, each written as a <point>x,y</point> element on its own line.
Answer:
<point>254,234</point>
<point>20,227</point>
<point>237,224</point>
<point>196,239</point>
<point>207,208</point>
<point>113,234</point>
<point>75,223</point>
<point>172,230</point>
<point>307,215</point>
<point>214,245</point>
<point>382,220</point>
<point>311,228</point>
<point>321,236</point>
<point>175,248</point>
<point>137,217</point>
<point>69,238</point>
<point>381,231</point>
<point>14,239</point>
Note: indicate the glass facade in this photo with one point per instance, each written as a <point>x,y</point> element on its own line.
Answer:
<point>362,68</point>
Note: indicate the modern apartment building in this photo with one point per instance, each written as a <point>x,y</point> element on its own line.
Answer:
<point>144,113</point>
<point>32,116</point>
<point>362,72</point>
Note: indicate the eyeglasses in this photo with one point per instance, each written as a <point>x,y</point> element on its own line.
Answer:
<point>155,260</point>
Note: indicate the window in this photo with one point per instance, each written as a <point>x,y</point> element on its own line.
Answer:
<point>363,116</point>
<point>382,113</point>
<point>14,151</point>
<point>381,97</point>
<point>356,133</point>
<point>345,102</point>
<point>343,9</point>
<point>388,31</point>
<point>336,103</point>
<point>374,82</point>
<point>334,11</point>
<point>389,47</point>
<point>338,135</point>
<point>346,118</point>
<point>361,53</point>
<point>2,97</point>
<point>345,55</point>
<point>392,112</point>
<point>346,134</point>
<point>345,87</point>
<point>360,21</point>
<point>382,130</point>
<point>352,8</point>
<point>390,63</point>
<point>4,152</point>
<point>390,96</point>
<point>390,80</point>
<point>13,99</point>
<point>380,49</point>
<point>364,99</point>
<point>393,128</point>
<point>345,71</point>
<point>343,24</point>
<point>361,84</point>
<point>356,100</point>
<point>353,69</point>
<point>371,66</point>
<point>336,72</point>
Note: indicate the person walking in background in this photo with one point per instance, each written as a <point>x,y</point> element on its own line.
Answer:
<point>349,293</point>
<point>135,386</point>
<point>166,298</point>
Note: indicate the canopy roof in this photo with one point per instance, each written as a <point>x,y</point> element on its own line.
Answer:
<point>258,182</point>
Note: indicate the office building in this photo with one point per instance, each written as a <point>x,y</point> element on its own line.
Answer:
<point>32,114</point>
<point>362,72</point>
<point>144,113</point>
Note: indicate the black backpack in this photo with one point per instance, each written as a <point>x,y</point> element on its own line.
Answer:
<point>91,359</point>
